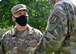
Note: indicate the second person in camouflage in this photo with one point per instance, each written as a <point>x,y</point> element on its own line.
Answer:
<point>60,34</point>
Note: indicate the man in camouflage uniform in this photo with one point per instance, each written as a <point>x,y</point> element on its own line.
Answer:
<point>23,39</point>
<point>60,34</point>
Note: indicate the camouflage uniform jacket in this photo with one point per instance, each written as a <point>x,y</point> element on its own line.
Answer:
<point>60,34</point>
<point>16,42</point>
<point>61,29</point>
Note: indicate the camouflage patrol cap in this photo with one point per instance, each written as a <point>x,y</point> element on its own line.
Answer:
<point>18,7</point>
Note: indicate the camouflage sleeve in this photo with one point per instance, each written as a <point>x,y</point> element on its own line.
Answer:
<point>56,29</point>
<point>1,47</point>
<point>39,48</point>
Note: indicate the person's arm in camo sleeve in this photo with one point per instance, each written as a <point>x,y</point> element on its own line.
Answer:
<point>56,29</point>
<point>55,33</point>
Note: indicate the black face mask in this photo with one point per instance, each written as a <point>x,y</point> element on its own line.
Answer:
<point>22,20</point>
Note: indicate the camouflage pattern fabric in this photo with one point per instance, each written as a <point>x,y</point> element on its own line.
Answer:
<point>20,42</point>
<point>60,34</point>
<point>61,29</point>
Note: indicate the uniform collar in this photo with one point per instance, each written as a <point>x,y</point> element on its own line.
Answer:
<point>29,28</point>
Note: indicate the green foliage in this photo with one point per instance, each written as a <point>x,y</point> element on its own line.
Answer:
<point>38,12</point>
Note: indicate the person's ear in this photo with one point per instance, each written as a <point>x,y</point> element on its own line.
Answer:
<point>13,18</point>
